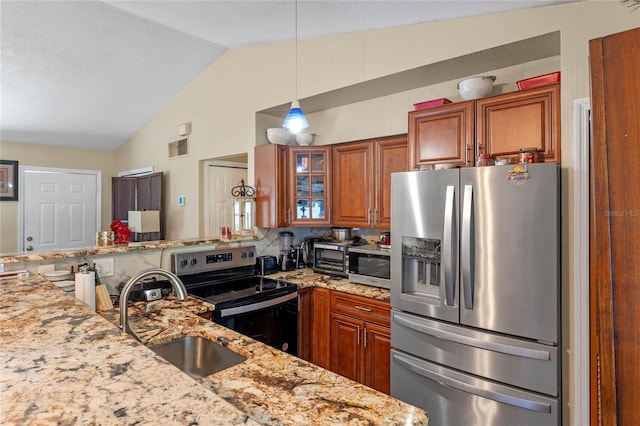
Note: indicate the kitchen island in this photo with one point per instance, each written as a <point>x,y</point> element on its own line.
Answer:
<point>62,363</point>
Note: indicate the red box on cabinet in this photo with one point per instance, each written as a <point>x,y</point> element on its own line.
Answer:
<point>432,103</point>
<point>540,80</point>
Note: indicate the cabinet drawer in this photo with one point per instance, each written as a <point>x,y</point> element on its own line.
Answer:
<point>364,308</point>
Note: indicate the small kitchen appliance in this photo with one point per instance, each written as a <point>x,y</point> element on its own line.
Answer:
<point>369,265</point>
<point>331,257</point>
<point>266,265</point>
<point>287,258</point>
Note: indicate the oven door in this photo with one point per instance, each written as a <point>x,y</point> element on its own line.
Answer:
<point>272,321</point>
<point>329,259</point>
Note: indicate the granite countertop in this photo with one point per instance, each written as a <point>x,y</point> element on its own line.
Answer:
<point>116,248</point>
<point>307,278</point>
<point>62,363</point>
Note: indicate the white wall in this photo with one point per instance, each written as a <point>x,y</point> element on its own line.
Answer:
<point>57,157</point>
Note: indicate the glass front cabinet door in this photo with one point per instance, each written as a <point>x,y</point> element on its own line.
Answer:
<point>310,186</point>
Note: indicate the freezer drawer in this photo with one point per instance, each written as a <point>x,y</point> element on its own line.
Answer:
<point>516,362</point>
<point>452,398</point>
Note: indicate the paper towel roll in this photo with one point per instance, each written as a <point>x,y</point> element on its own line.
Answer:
<point>86,288</point>
<point>79,290</point>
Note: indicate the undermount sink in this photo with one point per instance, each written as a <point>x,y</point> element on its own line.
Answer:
<point>197,356</point>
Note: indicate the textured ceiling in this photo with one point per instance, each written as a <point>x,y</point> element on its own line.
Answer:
<point>77,73</point>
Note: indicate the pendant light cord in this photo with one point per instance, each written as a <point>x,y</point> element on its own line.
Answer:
<point>296,36</point>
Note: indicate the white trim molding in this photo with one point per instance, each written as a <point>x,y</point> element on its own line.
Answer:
<point>580,343</point>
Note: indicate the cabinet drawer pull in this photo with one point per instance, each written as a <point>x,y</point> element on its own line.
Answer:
<point>362,308</point>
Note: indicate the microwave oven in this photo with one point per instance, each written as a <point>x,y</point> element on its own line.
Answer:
<point>369,265</point>
<point>330,258</point>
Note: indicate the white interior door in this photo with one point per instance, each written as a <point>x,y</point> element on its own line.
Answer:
<point>220,207</point>
<point>59,210</point>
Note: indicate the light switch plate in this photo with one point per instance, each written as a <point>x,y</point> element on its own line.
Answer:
<point>182,200</point>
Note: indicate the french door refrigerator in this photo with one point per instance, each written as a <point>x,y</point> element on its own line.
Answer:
<point>475,294</point>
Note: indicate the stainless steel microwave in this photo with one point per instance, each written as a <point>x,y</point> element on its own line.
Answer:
<point>370,265</point>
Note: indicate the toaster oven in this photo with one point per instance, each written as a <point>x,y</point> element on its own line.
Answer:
<point>330,258</point>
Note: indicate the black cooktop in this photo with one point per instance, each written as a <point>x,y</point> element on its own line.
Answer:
<point>241,290</point>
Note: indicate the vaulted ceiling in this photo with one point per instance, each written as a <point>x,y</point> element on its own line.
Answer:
<point>89,74</point>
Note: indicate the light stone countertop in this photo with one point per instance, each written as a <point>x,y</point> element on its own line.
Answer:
<point>307,278</point>
<point>115,249</point>
<point>62,363</point>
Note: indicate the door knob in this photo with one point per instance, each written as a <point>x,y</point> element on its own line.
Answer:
<point>29,248</point>
<point>29,238</point>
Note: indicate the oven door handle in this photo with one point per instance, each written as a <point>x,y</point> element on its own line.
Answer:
<point>257,306</point>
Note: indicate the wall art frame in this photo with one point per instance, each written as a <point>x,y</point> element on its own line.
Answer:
<point>8,180</point>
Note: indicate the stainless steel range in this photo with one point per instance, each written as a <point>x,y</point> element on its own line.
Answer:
<point>261,308</point>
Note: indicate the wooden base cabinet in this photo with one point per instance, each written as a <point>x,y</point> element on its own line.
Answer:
<point>313,325</point>
<point>361,340</point>
<point>377,364</point>
<point>304,323</point>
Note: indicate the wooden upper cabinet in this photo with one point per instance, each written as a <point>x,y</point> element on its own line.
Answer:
<point>138,193</point>
<point>362,180</point>
<point>271,177</point>
<point>309,186</point>
<point>123,197</point>
<point>353,184</point>
<point>390,157</point>
<point>524,119</point>
<point>442,134</point>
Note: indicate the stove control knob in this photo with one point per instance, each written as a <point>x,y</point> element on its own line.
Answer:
<point>194,261</point>
<point>183,263</point>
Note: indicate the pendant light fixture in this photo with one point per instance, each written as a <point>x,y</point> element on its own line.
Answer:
<point>295,120</point>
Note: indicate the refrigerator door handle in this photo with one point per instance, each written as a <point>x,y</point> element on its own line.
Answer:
<point>470,341</point>
<point>466,249</point>
<point>448,241</point>
<point>473,390</point>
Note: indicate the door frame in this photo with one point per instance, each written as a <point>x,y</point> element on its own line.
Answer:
<point>580,410</point>
<point>208,164</point>
<point>24,169</point>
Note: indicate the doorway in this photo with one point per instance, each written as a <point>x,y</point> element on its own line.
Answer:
<point>222,175</point>
<point>58,208</point>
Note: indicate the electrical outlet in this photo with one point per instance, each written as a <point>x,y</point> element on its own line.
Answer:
<point>104,266</point>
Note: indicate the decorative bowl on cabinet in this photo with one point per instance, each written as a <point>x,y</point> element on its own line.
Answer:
<point>305,138</point>
<point>476,87</point>
<point>279,135</point>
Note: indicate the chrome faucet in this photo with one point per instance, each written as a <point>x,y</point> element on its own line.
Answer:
<point>178,288</point>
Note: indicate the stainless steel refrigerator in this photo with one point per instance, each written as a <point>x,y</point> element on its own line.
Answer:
<point>475,294</point>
